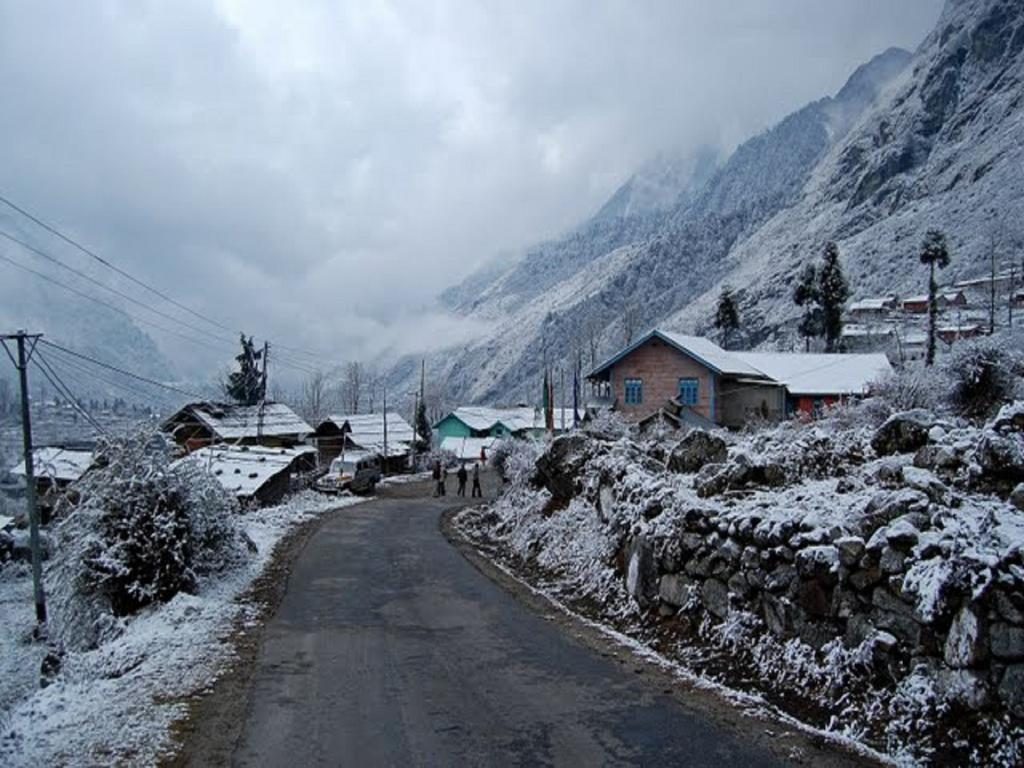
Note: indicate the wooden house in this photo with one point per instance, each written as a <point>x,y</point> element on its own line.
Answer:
<point>198,425</point>
<point>256,475</point>
<point>366,432</point>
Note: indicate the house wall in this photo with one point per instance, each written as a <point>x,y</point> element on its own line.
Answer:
<point>660,367</point>
<point>739,403</point>
<point>452,427</point>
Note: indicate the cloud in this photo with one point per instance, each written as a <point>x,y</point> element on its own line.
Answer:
<point>319,171</point>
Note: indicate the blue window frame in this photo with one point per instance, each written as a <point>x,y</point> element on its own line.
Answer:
<point>634,394</point>
<point>689,391</point>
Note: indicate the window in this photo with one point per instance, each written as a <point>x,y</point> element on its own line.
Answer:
<point>634,391</point>
<point>689,389</point>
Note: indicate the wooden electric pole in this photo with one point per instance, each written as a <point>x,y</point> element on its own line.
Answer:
<point>26,346</point>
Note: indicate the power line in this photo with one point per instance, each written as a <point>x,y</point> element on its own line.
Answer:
<point>74,243</point>
<point>58,383</point>
<point>92,254</point>
<point>108,366</point>
<point>104,286</point>
<point>77,367</point>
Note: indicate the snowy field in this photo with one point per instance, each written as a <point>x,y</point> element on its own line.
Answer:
<point>117,704</point>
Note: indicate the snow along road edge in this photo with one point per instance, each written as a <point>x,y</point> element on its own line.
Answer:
<point>730,708</point>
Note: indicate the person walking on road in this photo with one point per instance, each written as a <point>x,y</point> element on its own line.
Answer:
<point>442,485</point>
<point>463,476</point>
<point>437,479</point>
<point>477,490</point>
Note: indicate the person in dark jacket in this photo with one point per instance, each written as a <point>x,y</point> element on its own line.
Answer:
<point>438,489</point>
<point>443,485</point>
<point>477,490</point>
<point>463,476</point>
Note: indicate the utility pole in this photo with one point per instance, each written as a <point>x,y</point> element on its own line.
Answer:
<point>25,351</point>
<point>385,388</point>
<point>263,391</point>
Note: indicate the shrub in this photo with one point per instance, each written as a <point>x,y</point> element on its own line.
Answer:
<point>984,374</point>
<point>514,460</point>
<point>911,388</point>
<point>142,531</point>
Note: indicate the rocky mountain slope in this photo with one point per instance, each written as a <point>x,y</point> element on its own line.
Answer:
<point>909,143</point>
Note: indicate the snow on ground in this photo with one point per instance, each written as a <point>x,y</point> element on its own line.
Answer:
<point>416,477</point>
<point>117,704</point>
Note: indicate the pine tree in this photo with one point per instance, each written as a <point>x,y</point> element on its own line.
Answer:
<point>246,386</point>
<point>727,316</point>
<point>833,292</point>
<point>423,430</point>
<point>934,253</point>
<point>806,295</point>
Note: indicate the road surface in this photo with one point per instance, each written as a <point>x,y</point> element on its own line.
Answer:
<point>390,648</point>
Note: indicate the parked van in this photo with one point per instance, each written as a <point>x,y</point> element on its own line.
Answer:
<point>355,472</point>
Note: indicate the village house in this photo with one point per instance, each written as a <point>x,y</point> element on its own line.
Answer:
<point>873,309</point>
<point>945,300</point>
<point>481,421</point>
<point>698,382</point>
<point>256,475</point>
<point>198,425</point>
<point>366,432</point>
<point>55,468</point>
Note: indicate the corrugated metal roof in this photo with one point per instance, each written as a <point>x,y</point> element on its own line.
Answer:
<point>62,464</point>
<point>243,470</point>
<point>366,430</point>
<point>820,374</point>
<point>233,422</point>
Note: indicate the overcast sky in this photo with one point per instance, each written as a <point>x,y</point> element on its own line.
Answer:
<point>318,171</point>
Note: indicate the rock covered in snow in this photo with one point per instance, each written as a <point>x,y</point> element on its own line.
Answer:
<point>695,450</point>
<point>965,646</point>
<point>903,432</point>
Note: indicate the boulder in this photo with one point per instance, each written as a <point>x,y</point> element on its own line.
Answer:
<point>559,468</point>
<point>903,432</point>
<point>850,548</point>
<point>820,563</point>
<point>696,450</point>
<point>965,644</point>
<point>1001,456</point>
<point>1006,641</point>
<point>1010,418</point>
<point>924,481</point>
<point>675,589</point>
<point>777,615</point>
<point>641,572</point>
<point>1011,689</point>
<point>714,595</point>
<point>963,686</point>
<point>938,457</point>
<point>1017,496</point>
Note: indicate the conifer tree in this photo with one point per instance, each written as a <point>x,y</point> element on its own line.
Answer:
<point>806,295</point>
<point>246,386</point>
<point>934,253</point>
<point>727,316</point>
<point>833,292</point>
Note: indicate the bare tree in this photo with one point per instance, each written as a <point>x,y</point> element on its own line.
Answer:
<point>353,386</point>
<point>314,397</point>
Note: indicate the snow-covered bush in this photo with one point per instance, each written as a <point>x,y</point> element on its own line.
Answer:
<point>913,387</point>
<point>608,424</point>
<point>984,374</point>
<point>141,531</point>
<point>514,460</point>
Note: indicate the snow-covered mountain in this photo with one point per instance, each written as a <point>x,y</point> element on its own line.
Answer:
<point>910,142</point>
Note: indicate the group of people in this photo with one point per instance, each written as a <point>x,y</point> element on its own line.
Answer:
<point>441,480</point>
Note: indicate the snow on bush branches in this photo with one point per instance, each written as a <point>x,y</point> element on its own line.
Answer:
<point>140,531</point>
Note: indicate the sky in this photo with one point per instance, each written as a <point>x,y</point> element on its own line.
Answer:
<point>318,171</point>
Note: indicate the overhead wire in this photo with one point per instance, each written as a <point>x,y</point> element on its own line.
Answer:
<point>80,368</point>
<point>58,383</point>
<point>142,284</point>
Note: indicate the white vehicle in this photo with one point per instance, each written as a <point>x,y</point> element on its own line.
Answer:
<point>355,472</point>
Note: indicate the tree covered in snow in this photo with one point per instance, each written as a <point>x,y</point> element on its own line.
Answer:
<point>984,374</point>
<point>246,385</point>
<point>727,316</point>
<point>934,253</point>
<point>139,531</point>
<point>833,292</point>
<point>806,295</point>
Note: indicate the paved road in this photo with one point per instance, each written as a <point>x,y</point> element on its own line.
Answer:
<point>390,648</point>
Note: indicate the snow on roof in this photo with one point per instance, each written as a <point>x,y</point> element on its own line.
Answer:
<point>873,303</point>
<point>820,374</point>
<point>711,354</point>
<point>469,448</point>
<point>945,295</point>
<point>366,430</point>
<point>61,464</point>
<point>519,419</point>
<point>243,470</point>
<point>854,330</point>
<point>232,422</point>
